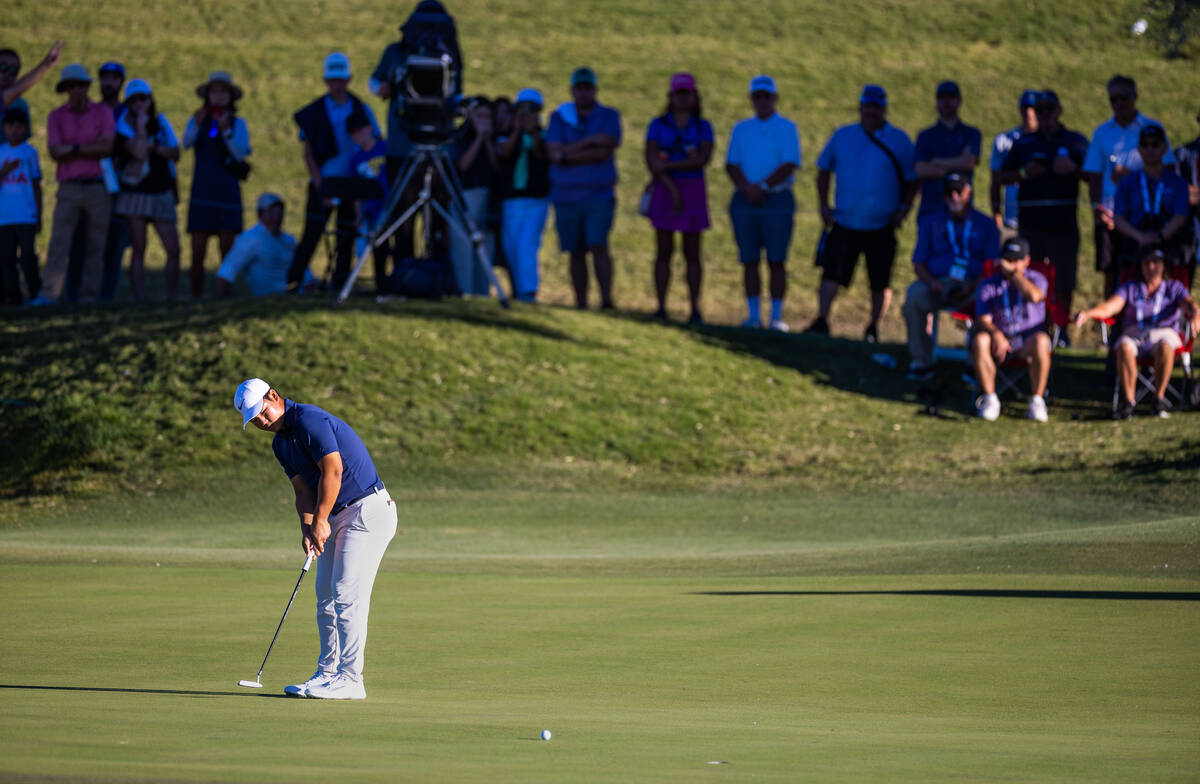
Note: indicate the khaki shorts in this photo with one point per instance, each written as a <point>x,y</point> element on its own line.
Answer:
<point>1145,339</point>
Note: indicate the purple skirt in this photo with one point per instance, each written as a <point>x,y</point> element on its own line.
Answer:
<point>694,215</point>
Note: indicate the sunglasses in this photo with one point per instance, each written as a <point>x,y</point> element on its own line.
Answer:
<point>9,68</point>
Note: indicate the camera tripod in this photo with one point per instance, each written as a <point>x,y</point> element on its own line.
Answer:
<point>431,163</point>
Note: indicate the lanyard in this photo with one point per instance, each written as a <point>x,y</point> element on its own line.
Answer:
<point>1010,313</point>
<point>966,248</point>
<point>1158,301</point>
<point>1158,189</point>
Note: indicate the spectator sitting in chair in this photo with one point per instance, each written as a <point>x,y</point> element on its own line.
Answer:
<point>263,253</point>
<point>1151,309</point>
<point>952,246</point>
<point>1010,309</point>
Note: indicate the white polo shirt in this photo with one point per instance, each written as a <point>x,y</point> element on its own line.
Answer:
<point>1113,146</point>
<point>759,147</point>
<point>262,257</point>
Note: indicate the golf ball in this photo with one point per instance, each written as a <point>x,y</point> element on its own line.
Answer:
<point>546,735</point>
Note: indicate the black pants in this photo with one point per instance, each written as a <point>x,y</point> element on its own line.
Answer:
<point>16,251</point>
<point>843,246</point>
<point>316,215</point>
<point>1061,249</point>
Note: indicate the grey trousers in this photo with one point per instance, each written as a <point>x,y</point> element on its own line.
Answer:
<point>919,302</point>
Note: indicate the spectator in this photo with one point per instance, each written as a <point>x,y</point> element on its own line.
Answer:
<point>112,79</point>
<point>370,190</point>
<point>1049,165</point>
<point>262,253</point>
<point>1010,310</point>
<point>763,155</point>
<point>952,246</point>
<point>327,152</point>
<point>20,208</point>
<point>876,183</point>
<point>78,135</point>
<point>525,179</point>
<point>502,108</point>
<point>478,167</point>
<point>11,88</point>
<point>10,66</point>
<point>949,145</point>
<point>222,142</point>
<point>1188,160</point>
<point>1005,214</point>
<point>581,140</point>
<point>679,145</point>
<point>502,128</point>
<point>1151,205</point>
<point>1150,310</point>
<point>1112,154</point>
<point>146,153</point>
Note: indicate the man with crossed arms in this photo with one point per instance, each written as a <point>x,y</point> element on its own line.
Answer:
<point>347,519</point>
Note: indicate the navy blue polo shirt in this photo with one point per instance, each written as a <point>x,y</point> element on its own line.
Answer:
<point>1048,202</point>
<point>942,141</point>
<point>309,433</point>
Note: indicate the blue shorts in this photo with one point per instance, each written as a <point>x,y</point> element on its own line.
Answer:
<point>763,226</point>
<point>584,224</point>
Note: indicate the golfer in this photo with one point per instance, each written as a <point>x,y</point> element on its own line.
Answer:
<point>347,519</point>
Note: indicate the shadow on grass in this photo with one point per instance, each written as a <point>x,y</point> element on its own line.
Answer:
<point>178,692</point>
<point>988,593</point>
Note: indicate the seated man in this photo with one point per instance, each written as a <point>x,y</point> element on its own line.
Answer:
<point>1010,310</point>
<point>952,246</point>
<point>1151,309</point>
<point>263,252</point>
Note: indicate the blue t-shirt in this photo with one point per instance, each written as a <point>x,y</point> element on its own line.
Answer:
<point>941,240</point>
<point>591,180</point>
<point>371,165</point>
<point>676,143</point>
<point>309,433</point>
<point>942,141</point>
<point>867,194</point>
<point>759,147</point>
<point>17,203</point>
<point>1000,146</point>
<point>262,258</point>
<point>1138,195</point>
<point>1010,311</point>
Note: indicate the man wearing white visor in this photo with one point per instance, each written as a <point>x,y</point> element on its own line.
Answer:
<point>347,519</point>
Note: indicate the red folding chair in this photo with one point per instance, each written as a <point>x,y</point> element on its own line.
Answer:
<point>1176,395</point>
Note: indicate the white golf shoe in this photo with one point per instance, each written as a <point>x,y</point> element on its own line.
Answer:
<point>339,687</point>
<point>989,407</point>
<point>301,689</point>
<point>1037,409</point>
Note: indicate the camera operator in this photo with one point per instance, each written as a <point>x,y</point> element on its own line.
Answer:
<point>328,149</point>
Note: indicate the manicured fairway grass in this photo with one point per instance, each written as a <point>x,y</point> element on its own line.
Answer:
<point>128,673</point>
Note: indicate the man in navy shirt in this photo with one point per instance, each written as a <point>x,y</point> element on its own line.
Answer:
<point>950,145</point>
<point>1048,165</point>
<point>347,519</point>
<point>952,246</point>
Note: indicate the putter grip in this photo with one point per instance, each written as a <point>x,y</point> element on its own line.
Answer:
<point>307,562</point>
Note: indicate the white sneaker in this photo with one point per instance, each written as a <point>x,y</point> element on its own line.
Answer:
<point>989,407</point>
<point>301,689</point>
<point>1037,409</point>
<point>339,687</point>
<point>779,325</point>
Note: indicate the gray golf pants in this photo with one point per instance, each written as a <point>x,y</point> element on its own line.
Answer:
<point>359,535</point>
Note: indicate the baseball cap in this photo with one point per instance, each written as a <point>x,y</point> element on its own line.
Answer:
<point>1028,98</point>
<point>763,84</point>
<point>1048,97</point>
<point>1015,249</point>
<point>948,88</point>
<point>1149,252</point>
<point>112,66</point>
<point>337,66</point>
<point>530,95</point>
<point>248,399</point>
<point>75,72</point>
<point>954,181</point>
<point>683,81</point>
<point>873,93</point>
<point>16,114</point>
<point>137,87</point>
<point>583,75</point>
<point>1154,132</point>
<point>268,199</point>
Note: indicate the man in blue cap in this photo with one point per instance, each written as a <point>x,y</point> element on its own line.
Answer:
<point>948,146</point>
<point>347,520</point>
<point>1005,213</point>
<point>876,183</point>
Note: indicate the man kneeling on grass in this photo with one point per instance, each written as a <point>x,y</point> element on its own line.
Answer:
<point>1150,310</point>
<point>1010,310</point>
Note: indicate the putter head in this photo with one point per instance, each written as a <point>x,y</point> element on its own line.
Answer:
<point>250,684</point>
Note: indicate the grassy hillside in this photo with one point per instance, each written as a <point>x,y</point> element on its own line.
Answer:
<point>820,53</point>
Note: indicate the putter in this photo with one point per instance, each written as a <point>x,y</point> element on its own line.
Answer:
<point>257,682</point>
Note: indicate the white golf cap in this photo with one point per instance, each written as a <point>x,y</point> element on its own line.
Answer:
<point>248,399</point>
